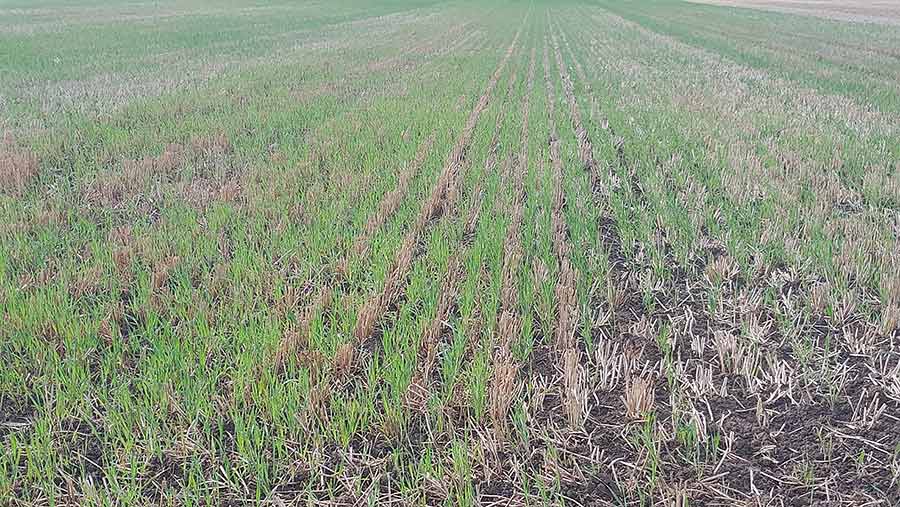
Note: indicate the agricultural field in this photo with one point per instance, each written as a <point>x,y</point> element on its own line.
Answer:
<point>465,253</point>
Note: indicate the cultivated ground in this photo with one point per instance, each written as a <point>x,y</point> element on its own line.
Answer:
<point>871,11</point>
<point>469,253</point>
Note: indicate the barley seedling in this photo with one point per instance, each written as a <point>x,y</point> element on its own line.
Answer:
<point>462,468</point>
<point>477,385</point>
<point>648,444</point>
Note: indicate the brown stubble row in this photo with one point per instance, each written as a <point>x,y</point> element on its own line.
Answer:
<point>420,387</point>
<point>600,187</point>
<point>585,147</point>
<point>442,198</point>
<point>297,339</point>
<point>389,204</point>
<point>418,391</point>
<point>574,395</point>
<point>505,368</point>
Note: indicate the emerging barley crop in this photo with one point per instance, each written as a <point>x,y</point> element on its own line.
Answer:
<point>409,252</point>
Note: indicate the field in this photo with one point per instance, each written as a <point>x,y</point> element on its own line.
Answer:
<point>875,11</point>
<point>409,252</point>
